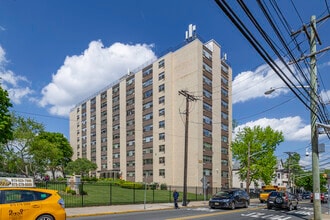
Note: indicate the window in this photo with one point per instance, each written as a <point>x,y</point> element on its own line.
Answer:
<point>161,100</point>
<point>161,76</point>
<point>147,116</point>
<point>224,162</point>
<point>224,92</point>
<point>224,68</point>
<point>207,107</point>
<point>161,111</point>
<point>115,89</point>
<point>130,122</point>
<point>147,161</point>
<point>162,124</point>
<point>147,139</point>
<point>207,159</point>
<point>207,172</point>
<point>115,99</point>
<point>161,136</point>
<point>104,104</point>
<point>130,102</point>
<point>147,105</point>
<point>162,172</point>
<point>161,88</point>
<point>207,146</point>
<point>207,81</point>
<point>224,127</point>
<point>207,133</point>
<point>224,115</point>
<point>116,127</point>
<point>207,94</point>
<point>116,155</point>
<point>131,143</point>
<point>224,80</point>
<point>224,151</point>
<point>162,160</point>
<point>224,104</point>
<point>130,92</point>
<point>147,71</point>
<point>115,108</point>
<point>207,68</point>
<point>147,151</point>
<point>115,117</point>
<point>115,146</point>
<point>147,83</point>
<point>207,120</point>
<point>130,81</point>
<point>147,94</point>
<point>224,139</point>
<point>207,54</point>
<point>130,153</point>
<point>148,127</point>
<point>161,63</point>
<point>162,148</point>
<point>130,112</point>
<point>130,133</point>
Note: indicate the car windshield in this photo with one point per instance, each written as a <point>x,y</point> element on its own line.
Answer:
<point>224,194</point>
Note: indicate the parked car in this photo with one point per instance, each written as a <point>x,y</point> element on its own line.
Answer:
<point>284,200</point>
<point>20,200</point>
<point>230,199</point>
<point>306,195</point>
<point>323,196</point>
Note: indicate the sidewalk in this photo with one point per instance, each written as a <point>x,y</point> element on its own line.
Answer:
<point>116,209</point>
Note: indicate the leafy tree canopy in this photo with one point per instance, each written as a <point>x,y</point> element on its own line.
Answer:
<point>6,132</point>
<point>254,149</point>
<point>81,166</point>
<point>52,151</point>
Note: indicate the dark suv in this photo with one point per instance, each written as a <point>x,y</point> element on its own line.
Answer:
<point>230,199</point>
<point>284,200</point>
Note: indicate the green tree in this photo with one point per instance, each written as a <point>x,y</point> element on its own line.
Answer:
<point>254,149</point>
<point>51,151</point>
<point>81,166</point>
<point>6,131</point>
<point>16,152</point>
<point>305,180</point>
<point>292,166</point>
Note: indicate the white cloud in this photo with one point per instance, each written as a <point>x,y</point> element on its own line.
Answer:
<point>325,95</point>
<point>253,84</point>
<point>12,82</point>
<point>293,128</point>
<point>83,75</point>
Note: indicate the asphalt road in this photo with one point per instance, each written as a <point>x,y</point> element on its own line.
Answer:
<point>304,212</point>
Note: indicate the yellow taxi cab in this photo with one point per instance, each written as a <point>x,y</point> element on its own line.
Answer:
<point>20,200</point>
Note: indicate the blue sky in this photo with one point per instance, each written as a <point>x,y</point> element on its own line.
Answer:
<point>54,54</point>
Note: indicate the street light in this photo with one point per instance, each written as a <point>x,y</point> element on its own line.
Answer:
<point>272,89</point>
<point>314,139</point>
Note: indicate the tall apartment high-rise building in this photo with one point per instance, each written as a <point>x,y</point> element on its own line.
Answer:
<point>135,128</point>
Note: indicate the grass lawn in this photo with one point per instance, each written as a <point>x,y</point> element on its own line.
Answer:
<point>101,193</point>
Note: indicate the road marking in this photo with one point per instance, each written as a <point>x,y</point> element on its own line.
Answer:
<point>213,214</point>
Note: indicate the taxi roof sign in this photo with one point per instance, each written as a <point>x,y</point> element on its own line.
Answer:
<point>16,182</point>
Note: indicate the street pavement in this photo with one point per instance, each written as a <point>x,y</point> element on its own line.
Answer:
<point>116,209</point>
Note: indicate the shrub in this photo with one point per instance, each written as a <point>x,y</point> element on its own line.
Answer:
<point>163,186</point>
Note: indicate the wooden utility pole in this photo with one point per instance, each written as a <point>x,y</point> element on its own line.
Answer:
<point>188,99</point>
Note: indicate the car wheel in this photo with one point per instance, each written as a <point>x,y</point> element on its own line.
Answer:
<point>295,207</point>
<point>279,200</point>
<point>45,217</point>
<point>232,205</point>
<point>290,207</point>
